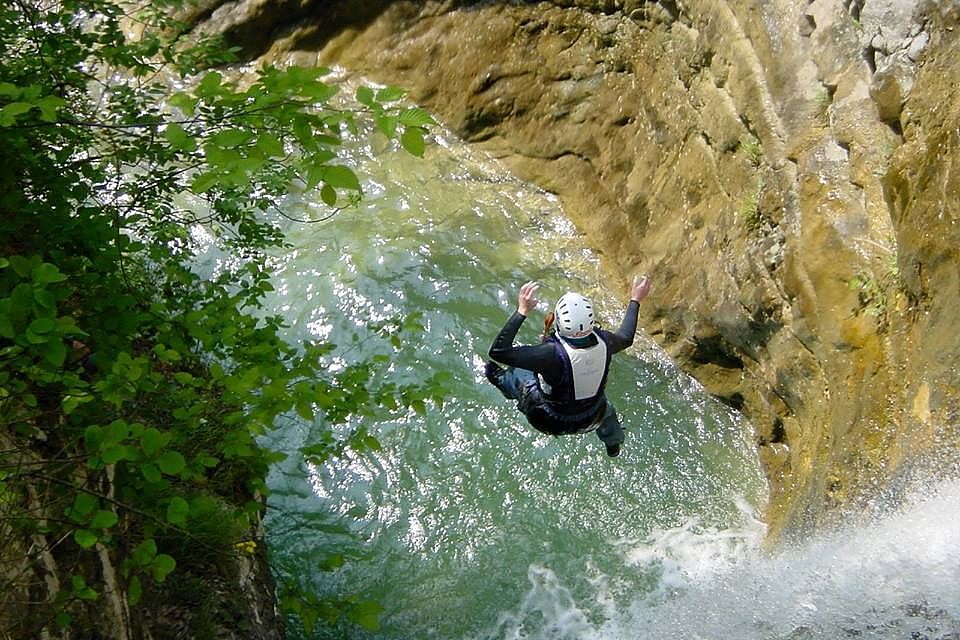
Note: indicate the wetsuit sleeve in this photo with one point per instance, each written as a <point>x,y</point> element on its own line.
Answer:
<point>623,337</point>
<point>539,357</point>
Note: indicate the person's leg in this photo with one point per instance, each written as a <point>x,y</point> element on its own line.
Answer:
<point>610,431</point>
<point>509,381</point>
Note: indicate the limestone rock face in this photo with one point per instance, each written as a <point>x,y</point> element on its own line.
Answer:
<point>782,169</point>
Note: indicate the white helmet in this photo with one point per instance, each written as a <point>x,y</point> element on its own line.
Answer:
<point>573,316</point>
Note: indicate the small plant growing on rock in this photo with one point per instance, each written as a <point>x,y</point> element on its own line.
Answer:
<point>749,212</point>
<point>872,296</point>
<point>873,292</point>
<point>752,148</point>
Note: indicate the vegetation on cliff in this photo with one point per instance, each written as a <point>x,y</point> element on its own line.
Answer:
<point>132,391</point>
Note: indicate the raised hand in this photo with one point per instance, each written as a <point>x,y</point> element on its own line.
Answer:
<point>640,289</point>
<point>527,300</point>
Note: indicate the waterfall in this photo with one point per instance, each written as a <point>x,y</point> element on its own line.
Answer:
<point>894,577</point>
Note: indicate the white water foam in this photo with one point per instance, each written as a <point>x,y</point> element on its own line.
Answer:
<point>898,578</point>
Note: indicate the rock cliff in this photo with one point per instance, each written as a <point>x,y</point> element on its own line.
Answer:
<point>782,169</point>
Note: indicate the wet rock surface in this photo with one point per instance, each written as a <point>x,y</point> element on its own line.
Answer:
<point>783,170</point>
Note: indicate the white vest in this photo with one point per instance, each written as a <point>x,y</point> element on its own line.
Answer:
<point>588,364</point>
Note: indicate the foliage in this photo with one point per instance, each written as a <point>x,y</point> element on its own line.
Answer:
<point>132,391</point>
<point>873,293</point>
<point>749,211</point>
<point>752,148</point>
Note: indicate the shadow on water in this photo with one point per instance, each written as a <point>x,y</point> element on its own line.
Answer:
<point>466,511</point>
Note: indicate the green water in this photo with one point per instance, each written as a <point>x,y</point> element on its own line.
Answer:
<point>469,524</point>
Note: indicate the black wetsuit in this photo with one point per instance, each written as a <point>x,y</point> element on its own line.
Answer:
<point>566,415</point>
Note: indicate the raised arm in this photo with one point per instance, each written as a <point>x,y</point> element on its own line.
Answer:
<point>623,337</point>
<point>534,357</point>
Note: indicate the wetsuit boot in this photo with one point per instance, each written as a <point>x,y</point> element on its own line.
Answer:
<point>610,431</point>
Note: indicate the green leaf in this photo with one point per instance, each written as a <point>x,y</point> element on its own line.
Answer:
<point>87,593</point>
<point>118,430</point>
<point>184,378</point>
<point>6,321</point>
<point>319,91</point>
<point>332,562</point>
<point>321,157</point>
<point>85,538</point>
<point>150,472</point>
<point>42,325</point>
<point>47,273</point>
<point>34,337</point>
<point>145,552</point>
<point>167,355</point>
<point>231,138</point>
<point>134,591</point>
<point>415,117</point>
<point>104,520</point>
<point>55,352</point>
<point>304,408</point>
<point>93,438</point>
<point>303,131</point>
<point>67,325</point>
<point>270,145</point>
<point>44,298</point>
<point>315,175</point>
<point>81,589</point>
<point>341,177</point>
<point>184,102</point>
<point>370,443</point>
<point>390,94</point>
<point>179,138</point>
<point>49,105</point>
<point>365,96</point>
<point>412,140</point>
<point>10,113</point>
<point>308,617</point>
<point>84,504</point>
<point>70,402</point>
<point>207,461</point>
<point>210,85</point>
<point>24,266</point>
<point>204,182</point>
<point>329,195</point>
<point>162,566</point>
<point>386,124</point>
<point>21,306</point>
<point>419,407</point>
<point>177,511</point>
<point>366,614</point>
<point>153,440</point>
<point>114,453</point>
<point>171,463</point>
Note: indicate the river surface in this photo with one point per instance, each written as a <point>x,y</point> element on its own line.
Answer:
<point>468,524</point>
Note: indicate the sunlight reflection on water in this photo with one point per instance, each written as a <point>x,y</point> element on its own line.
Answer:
<point>468,496</point>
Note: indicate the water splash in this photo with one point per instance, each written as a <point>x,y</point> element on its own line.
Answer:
<point>895,578</point>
